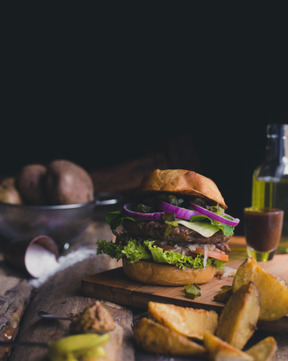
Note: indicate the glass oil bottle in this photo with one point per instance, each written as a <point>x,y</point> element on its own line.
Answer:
<point>270,179</point>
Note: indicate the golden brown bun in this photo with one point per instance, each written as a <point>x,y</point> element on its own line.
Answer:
<point>183,182</point>
<point>166,275</point>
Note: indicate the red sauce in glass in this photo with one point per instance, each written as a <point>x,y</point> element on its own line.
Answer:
<point>263,227</point>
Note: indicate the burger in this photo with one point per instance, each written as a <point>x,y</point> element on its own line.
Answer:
<point>174,233</point>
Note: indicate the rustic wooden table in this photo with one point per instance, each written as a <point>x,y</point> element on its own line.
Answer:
<point>21,300</point>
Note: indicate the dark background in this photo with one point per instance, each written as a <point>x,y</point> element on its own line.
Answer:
<point>103,86</point>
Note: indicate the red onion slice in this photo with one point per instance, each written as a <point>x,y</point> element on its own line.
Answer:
<point>179,212</point>
<point>230,222</point>
<point>156,216</point>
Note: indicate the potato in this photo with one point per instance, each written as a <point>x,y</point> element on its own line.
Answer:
<point>219,350</point>
<point>30,183</point>
<point>264,350</point>
<point>273,294</point>
<point>9,193</point>
<point>68,183</point>
<point>238,319</point>
<point>184,320</point>
<point>155,338</point>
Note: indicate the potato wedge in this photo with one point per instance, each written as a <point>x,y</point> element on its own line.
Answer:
<point>158,339</point>
<point>273,294</point>
<point>187,321</point>
<point>264,350</point>
<point>219,350</point>
<point>238,319</point>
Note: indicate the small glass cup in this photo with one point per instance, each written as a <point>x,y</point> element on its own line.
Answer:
<point>263,228</point>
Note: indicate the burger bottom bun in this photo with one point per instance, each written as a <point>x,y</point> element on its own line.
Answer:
<point>166,275</point>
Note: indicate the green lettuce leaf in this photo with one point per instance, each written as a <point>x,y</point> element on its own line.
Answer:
<point>136,250</point>
<point>174,258</point>
<point>225,228</point>
<point>114,250</point>
<point>114,219</point>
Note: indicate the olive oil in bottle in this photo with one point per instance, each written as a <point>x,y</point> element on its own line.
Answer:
<point>270,179</point>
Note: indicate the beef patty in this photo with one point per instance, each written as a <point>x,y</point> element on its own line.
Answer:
<point>160,231</point>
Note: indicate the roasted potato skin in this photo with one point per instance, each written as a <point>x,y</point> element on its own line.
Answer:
<point>188,321</point>
<point>158,339</point>
<point>238,319</point>
<point>30,182</point>
<point>68,183</point>
<point>264,350</point>
<point>273,294</point>
<point>219,350</point>
<point>9,193</point>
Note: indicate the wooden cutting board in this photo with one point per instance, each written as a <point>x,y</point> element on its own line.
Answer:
<point>114,286</point>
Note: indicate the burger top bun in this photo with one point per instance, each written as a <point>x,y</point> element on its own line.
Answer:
<point>184,182</point>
